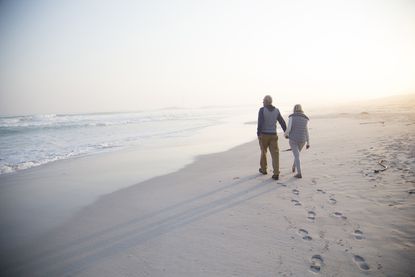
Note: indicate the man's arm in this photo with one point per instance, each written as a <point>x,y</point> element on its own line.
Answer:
<point>282,122</point>
<point>260,121</point>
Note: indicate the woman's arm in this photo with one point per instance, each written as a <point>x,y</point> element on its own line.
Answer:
<point>288,130</point>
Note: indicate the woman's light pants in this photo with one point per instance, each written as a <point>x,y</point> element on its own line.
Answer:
<point>296,148</point>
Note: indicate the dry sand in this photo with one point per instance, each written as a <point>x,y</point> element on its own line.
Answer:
<point>219,217</point>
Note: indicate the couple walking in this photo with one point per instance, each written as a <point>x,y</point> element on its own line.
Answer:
<point>296,132</point>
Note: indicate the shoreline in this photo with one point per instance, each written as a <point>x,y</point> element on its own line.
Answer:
<point>86,135</point>
<point>38,199</point>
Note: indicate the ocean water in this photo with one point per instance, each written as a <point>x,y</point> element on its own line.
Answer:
<point>34,140</point>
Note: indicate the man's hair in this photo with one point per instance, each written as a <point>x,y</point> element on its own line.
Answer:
<point>267,100</point>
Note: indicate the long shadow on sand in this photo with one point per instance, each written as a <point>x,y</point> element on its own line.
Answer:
<point>74,256</point>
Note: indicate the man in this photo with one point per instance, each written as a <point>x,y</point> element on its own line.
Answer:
<point>267,135</point>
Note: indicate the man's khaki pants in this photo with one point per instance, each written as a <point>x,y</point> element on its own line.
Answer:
<point>271,142</point>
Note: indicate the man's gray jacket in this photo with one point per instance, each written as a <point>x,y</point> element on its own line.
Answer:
<point>267,120</point>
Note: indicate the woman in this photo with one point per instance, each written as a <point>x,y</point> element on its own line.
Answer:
<point>297,133</point>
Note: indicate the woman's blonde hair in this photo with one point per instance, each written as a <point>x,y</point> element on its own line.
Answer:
<point>298,109</point>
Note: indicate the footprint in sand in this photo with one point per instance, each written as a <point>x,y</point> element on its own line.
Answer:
<point>296,191</point>
<point>361,262</point>
<point>296,202</point>
<point>321,191</point>
<point>282,184</point>
<point>332,201</point>
<point>311,215</point>
<point>339,215</point>
<point>304,234</point>
<point>316,263</point>
<point>358,235</point>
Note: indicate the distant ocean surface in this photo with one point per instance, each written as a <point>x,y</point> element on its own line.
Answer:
<point>33,140</point>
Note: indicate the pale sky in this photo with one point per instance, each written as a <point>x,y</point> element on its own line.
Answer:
<point>98,56</point>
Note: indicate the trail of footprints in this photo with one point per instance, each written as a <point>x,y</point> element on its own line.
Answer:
<point>317,261</point>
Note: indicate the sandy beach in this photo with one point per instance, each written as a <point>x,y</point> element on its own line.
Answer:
<point>219,217</point>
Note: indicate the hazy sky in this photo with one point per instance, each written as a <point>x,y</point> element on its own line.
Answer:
<point>89,56</point>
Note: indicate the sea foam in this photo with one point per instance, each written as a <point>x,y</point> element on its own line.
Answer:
<point>33,140</point>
